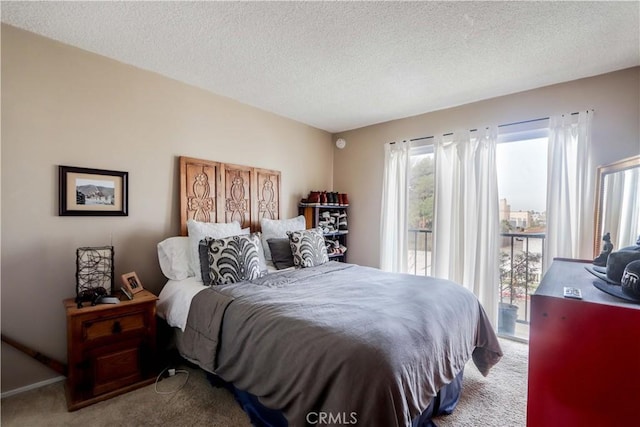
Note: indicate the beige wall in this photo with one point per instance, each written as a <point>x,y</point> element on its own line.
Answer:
<point>65,106</point>
<point>359,167</point>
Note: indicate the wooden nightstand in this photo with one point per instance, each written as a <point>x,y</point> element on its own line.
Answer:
<point>110,348</point>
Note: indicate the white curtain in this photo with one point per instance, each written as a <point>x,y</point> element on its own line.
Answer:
<point>466,214</point>
<point>393,221</point>
<point>570,188</point>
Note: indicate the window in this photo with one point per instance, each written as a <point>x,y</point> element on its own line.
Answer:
<point>420,209</point>
<point>521,160</point>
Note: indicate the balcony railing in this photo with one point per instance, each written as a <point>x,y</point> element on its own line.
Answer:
<point>420,242</point>
<point>522,256</point>
<point>521,267</point>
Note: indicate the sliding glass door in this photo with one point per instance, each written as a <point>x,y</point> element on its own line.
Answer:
<point>522,184</point>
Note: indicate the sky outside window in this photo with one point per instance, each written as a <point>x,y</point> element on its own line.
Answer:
<point>522,174</point>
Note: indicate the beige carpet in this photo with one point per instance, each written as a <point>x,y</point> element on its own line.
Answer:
<point>498,400</point>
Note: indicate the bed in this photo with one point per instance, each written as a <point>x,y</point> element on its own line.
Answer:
<point>333,343</point>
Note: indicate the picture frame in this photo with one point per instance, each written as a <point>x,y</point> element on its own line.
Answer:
<point>92,192</point>
<point>131,284</point>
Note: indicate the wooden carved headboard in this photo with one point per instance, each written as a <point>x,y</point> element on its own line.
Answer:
<point>222,192</point>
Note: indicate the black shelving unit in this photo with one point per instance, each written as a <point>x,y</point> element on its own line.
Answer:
<point>313,215</point>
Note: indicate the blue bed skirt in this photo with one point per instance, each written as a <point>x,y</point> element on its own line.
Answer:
<point>261,416</point>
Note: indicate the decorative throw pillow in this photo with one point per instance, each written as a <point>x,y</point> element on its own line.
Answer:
<point>199,230</point>
<point>263,261</point>
<point>173,255</point>
<point>281,253</point>
<point>277,228</point>
<point>308,248</point>
<point>229,260</point>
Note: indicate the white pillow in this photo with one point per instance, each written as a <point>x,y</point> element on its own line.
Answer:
<point>277,228</point>
<point>173,255</point>
<point>199,230</point>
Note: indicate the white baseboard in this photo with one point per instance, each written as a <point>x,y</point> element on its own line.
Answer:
<point>32,386</point>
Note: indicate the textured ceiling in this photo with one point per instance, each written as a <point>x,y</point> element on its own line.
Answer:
<point>344,65</point>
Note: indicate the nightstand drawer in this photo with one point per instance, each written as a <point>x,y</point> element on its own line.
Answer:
<point>93,330</point>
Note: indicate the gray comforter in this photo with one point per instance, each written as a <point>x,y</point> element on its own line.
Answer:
<point>341,339</point>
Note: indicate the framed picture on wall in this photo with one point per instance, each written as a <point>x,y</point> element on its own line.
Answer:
<point>92,192</point>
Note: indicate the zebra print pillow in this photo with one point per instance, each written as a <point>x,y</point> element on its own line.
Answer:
<point>229,260</point>
<point>308,248</point>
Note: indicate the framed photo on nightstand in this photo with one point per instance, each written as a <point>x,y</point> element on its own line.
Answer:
<point>131,284</point>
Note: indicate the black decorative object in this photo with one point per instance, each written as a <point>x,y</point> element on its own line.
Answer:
<point>631,280</point>
<point>607,247</point>
<point>616,263</point>
<point>629,288</point>
<point>94,273</point>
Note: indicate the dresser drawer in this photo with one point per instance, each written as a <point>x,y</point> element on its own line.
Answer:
<point>114,326</point>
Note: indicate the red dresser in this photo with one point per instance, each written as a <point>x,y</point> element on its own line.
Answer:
<point>584,355</point>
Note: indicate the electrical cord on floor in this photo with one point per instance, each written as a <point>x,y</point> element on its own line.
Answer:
<point>171,372</point>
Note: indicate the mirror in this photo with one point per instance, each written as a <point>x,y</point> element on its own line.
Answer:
<point>618,203</point>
